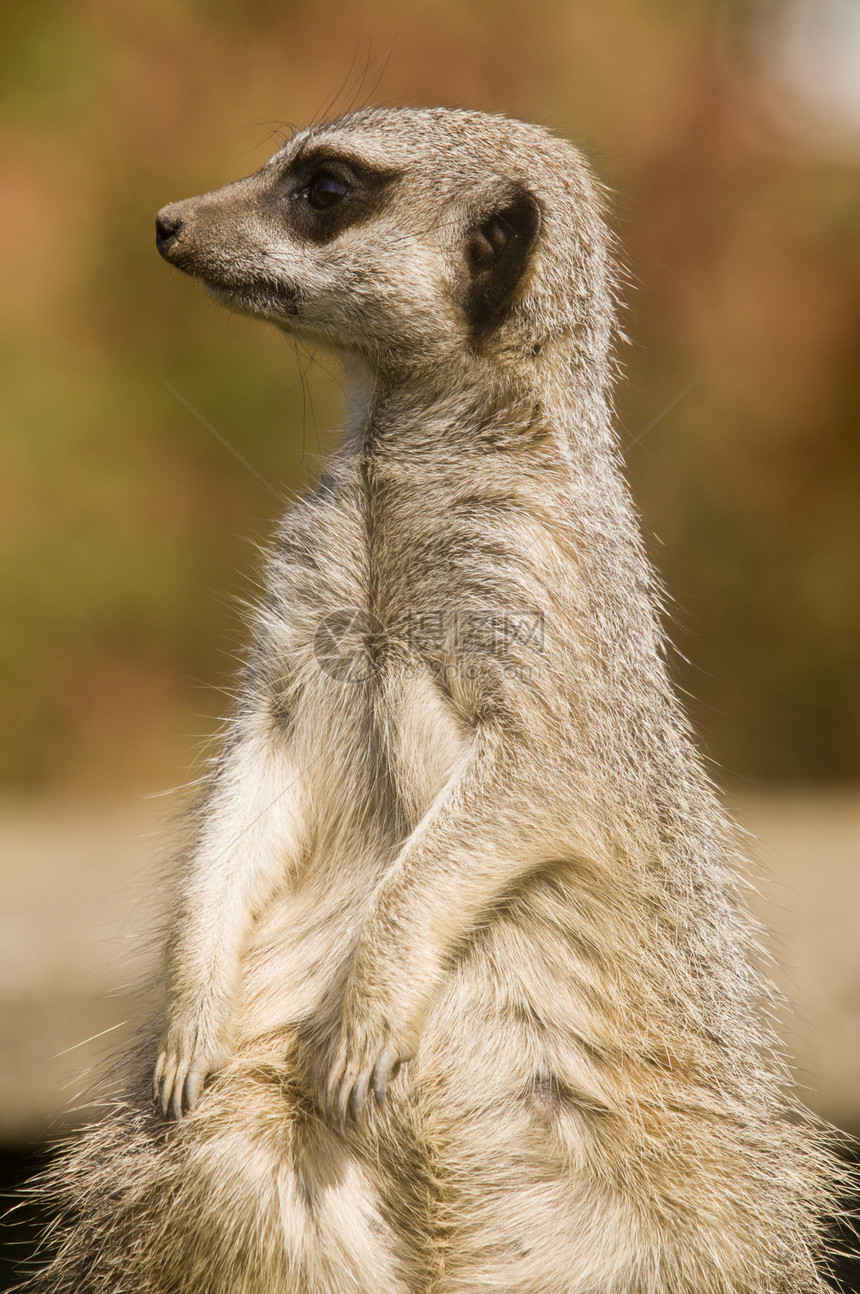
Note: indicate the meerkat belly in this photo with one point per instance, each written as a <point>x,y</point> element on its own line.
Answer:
<point>370,746</point>
<point>361,806</point>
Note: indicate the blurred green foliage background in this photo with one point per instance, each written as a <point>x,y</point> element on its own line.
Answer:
<point>128,527</point>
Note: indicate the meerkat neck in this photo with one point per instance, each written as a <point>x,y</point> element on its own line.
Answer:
<point>472,407</point>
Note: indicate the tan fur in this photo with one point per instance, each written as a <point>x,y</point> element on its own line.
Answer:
<point>458,823</point>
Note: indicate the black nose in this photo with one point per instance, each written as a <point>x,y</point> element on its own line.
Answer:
<point>168,227</point>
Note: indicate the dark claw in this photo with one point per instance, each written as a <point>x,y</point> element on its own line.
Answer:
<point>332,1088</point>
<point>386,1069</point>
<point>194,1086</point>
<point>343,1101</point>
<point>358,1102</point>
<point>156,1080</point>
<point>165,1087</point>
<point>176,1103</point>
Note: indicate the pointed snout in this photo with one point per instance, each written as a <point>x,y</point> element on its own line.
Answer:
<point>169,224</point>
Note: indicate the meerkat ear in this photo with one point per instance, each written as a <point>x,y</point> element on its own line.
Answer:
<point>498,249</point>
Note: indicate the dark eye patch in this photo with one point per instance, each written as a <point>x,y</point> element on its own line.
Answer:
<point>326,191</point>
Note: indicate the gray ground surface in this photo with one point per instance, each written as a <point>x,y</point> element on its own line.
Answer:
<point>81,887</point>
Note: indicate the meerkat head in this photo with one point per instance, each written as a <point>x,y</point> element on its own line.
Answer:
<point>402,236</point>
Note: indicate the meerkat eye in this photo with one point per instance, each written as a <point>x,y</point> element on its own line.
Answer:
<point>325,191</point>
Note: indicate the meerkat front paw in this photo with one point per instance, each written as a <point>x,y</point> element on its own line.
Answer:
<point>369,1055</point>
<point>187,1057</point>
<point>383,1017</point>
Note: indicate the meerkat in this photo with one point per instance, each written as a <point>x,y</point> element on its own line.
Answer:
<point>461,993</point>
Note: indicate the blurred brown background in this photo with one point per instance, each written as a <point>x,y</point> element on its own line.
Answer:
<point>729,136</point>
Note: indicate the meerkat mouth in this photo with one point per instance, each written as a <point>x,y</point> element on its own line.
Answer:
<point>262,297</point>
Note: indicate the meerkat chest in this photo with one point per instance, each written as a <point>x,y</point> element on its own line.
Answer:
<point>353,640</point>
<point>426,742</point>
